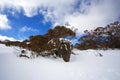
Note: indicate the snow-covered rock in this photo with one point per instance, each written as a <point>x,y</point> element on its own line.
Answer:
<point>63,47</point>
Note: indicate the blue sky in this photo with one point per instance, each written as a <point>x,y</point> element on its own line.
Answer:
<point>23,27</point>
<point>20,19</point>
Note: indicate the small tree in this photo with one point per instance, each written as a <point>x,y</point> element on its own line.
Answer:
<point>101,37</point>
<point>60,32</point>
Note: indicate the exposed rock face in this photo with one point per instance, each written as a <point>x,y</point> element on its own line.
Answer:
<point>61,47</point>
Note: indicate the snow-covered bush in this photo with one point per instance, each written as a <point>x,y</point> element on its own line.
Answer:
<point>57,47</point>
<point>101,37</point>
<point>53,43</point>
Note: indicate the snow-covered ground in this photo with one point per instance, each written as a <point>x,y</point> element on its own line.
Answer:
<point>86,65</point>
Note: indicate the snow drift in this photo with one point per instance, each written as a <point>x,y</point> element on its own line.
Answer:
<point>85,65</point>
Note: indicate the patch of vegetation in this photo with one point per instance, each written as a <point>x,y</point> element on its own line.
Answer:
<point>101,37</point>
<point>40,45</point>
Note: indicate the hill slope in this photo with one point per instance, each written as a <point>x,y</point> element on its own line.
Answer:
<point>86,65</point>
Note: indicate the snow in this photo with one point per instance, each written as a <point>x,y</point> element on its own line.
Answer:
<point>64,40</point>
<point>85,65</point>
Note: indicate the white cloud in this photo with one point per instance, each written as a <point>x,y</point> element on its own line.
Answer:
<point>52,10</point>
<point>83,14</point>
<point>3,38</point>
<point>97,15</point>
<point>4,22</point>
<point>25,29</point>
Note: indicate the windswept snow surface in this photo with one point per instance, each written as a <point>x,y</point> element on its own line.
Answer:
<point>85,65</point>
